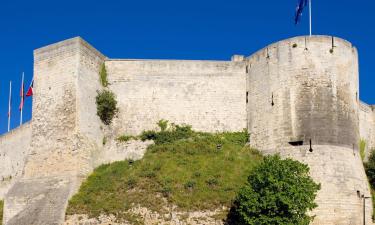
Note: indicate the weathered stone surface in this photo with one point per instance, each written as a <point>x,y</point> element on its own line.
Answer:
<point>291,92</point>
<point>14,148</point>
<point>209,95</point>
<point>172,217</point>
<point>37,201</point>
<point>303,89</point>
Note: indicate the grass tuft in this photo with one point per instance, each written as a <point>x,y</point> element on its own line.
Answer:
<point>183,166</point>
<point>1,211</point>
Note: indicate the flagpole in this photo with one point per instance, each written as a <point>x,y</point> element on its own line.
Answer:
<point>22,87</point>
<point>9,106</point>
<point>310,17</point>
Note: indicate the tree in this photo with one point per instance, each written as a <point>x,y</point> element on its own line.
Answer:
<point>278,191</point>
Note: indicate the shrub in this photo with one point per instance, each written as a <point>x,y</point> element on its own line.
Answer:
<point>103,76</point>
<point>168,135</point>
<point>277,192</point>
<point>370,172</point>
<point>163,124</point>
<point>370,168</point>
<point>106,106</point>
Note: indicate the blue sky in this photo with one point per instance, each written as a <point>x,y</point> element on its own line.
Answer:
<point>171,29</point>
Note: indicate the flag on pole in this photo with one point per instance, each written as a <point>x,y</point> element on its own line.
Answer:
<point>22,93</point>
<point>299,10</point>
<point>9,105</point>
<point>30,90</point>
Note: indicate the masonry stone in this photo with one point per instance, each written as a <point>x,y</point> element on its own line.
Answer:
<point>298,97</point>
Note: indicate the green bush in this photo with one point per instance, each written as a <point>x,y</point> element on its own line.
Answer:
<point>277,192</point>
<point>163,124</point>
<point>103,76</point>
<point>168,134</point>
<point>370,168</point>
<point>106,106</point>
<point>370,172</point>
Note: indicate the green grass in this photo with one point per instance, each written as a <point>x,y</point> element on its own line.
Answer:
<point>1,211</point>
<point>125,138</point>
<point>194,171</point>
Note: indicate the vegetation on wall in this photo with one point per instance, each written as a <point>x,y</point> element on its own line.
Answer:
<point>362,148</point>
<point>370,172</point>
<point>106,106</point>
<point>103,76</point>
<point>277,192</point>
<point>1,211</point>
<point>189,169</point>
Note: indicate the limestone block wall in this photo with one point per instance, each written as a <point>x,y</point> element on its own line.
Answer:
<point>304,88</point>
<point>340,172</point>
<point>63,136</point>
<point>14,148</point>
<point>64,118</point>
<point>367,125</point>
<point>209,95</point>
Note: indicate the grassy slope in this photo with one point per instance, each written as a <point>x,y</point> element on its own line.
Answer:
<point>1,211</point>
<point>190,173</point>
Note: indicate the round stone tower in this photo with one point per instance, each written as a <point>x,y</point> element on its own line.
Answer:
<point>303,103</point>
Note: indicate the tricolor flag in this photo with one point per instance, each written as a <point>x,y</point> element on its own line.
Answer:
<point>30,90</point>
<point>299,10</point>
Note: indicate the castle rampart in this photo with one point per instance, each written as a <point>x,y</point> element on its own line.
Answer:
<point>209,95</point>
<point>14,148</point>
<point>304,104</point>
<point>291,92</point>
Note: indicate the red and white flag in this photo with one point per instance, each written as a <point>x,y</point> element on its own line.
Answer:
<point>30,90</point>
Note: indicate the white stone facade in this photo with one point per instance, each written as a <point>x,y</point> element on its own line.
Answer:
<point>291,92</point>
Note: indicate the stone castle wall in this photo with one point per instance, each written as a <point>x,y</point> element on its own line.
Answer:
<point>291,92</point>
<point>14,148</point>
<point>367,126</point>
<point>300,90</point>
<point>209,95</point>
<point>303,89</point>
<point>63,137</point>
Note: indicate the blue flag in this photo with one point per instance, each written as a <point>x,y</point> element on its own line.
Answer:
<point>301,5</point>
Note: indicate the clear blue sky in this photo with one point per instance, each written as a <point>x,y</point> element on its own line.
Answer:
<point>171,29</point>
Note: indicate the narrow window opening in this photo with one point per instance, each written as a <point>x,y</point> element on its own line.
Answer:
<point>310,150</point>
<point>356,96</point>
<point>247,97</point>
<point>247,69</point>
<point>296,143</point>
<point>272,103</point>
